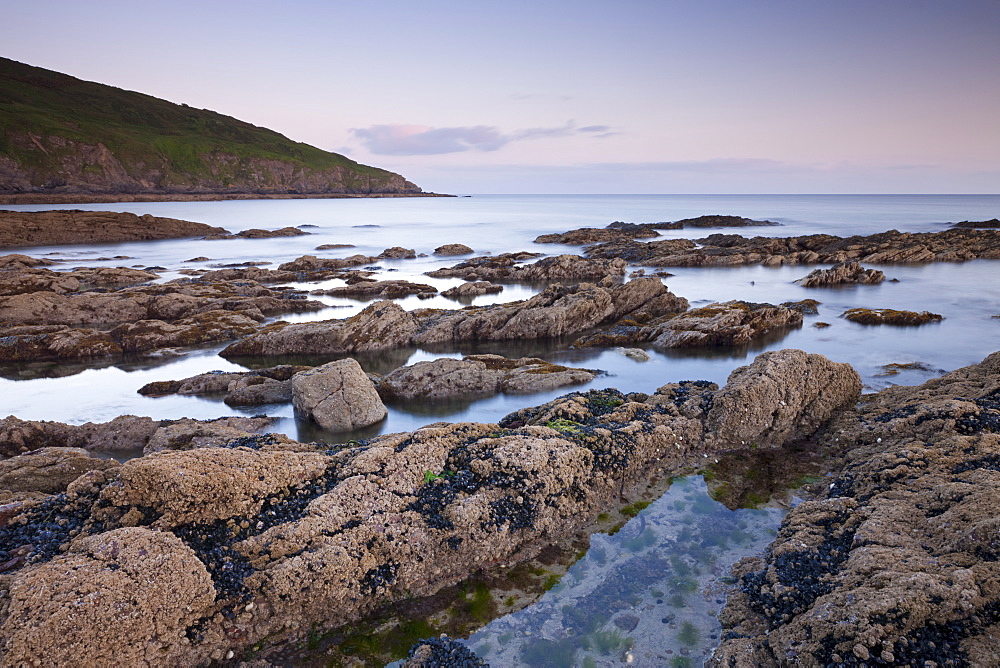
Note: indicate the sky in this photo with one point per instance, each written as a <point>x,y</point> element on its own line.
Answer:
<point>581,96</point>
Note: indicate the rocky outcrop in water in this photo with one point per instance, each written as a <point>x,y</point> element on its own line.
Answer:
<point>214,549</point>
<point>378,290</point>
<point>337,396</point>
<point>478,376</point>
<point>842,274</point>
<point>619,231</point>
<point>896,563</point>
<point>735,323</point>
<point>506,268</point>
<point>888,316</point>
<point>241,388</point>
<point>893,247</point>
<point>472,289</point>
<point>556,311</point>
<point>453,249</point>
<point>46,228</point>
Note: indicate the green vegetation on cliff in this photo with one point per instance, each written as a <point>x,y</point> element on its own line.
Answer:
<point>61,134</point>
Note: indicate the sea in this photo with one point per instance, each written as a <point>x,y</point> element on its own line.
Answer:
<point>966,294</point>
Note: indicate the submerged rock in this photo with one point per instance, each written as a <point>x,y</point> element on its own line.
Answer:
<point>842,274</point>
<point>378,290</point>
<point>338,396</point>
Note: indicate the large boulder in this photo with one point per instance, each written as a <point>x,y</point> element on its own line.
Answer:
<point>785,395</point>
<point>338,396</point>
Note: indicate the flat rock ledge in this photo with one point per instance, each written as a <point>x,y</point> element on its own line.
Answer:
<point>44,228</point>
<point>478,376</point>
<point>557,311</point>
<point>888,316</point>
<point>507,268</point>
<point>897,563</point>
<point>181,557</point>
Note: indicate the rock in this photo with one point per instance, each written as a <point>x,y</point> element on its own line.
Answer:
<point>19,262</point>
<point>453,249</point>
<point>398,253</point>
<point>590,235</point>
<point>187,434</point>
<point>255,233</point>
<point>49,470</point>
<point>125,434</point>
<point>472,289</point>
<point>148,582</point>
<point>45,228</point>
<point>338,396</point>
<point>433,652</point>
<point>637,354</point>
<point>888,316</point>
<point>722,221</point>
<point>283,536</point>
<point>333,246</point>
<point>478,375</point>
<point>804,306</point>
<point>556,311</point>
<point>311,263</point>
<point>782,396</point>
<point>378,289</point>
<point>209,484</point>
<point>36,343</point>
<point>954,245</point>
<point>558,268</point>
<point>379,326</point>
<point>842,274</point>
<point>991,224</point>
<point>147,335</point>
<point>732,323</point>
<point>896,559</point>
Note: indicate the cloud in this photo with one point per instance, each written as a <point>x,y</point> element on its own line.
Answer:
<point>424,140</point>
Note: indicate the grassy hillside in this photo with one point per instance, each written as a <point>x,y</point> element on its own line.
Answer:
<point>58,133</point>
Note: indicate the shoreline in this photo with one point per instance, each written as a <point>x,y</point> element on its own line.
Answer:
<point>71,198</point>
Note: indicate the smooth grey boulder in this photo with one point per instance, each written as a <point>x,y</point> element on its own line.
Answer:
<point>338,396</point>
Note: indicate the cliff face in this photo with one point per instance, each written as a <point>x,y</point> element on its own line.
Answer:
<point>59,134</point>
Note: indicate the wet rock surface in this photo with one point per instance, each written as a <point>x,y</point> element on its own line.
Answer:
<point>731,323</point>
<point>844,273</point>
<point>263,537</point>
<point>892,247</point>
<point>897,562</point>
<point>477,376</point>
<point>44,228</point>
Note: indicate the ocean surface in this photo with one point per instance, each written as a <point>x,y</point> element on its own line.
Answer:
<point>676,614</point>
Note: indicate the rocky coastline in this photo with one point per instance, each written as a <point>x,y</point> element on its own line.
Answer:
<point>203,539</point>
